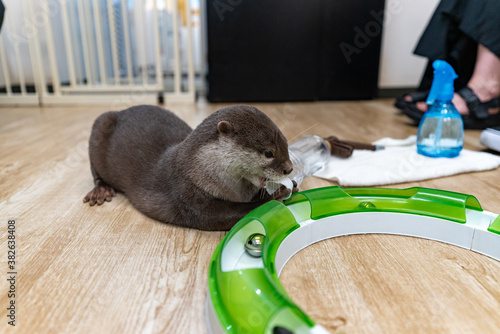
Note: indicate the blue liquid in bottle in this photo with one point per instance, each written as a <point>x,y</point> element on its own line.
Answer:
<point>441,131</point>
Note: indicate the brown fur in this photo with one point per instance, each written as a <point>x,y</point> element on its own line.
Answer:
<point>207,178</point>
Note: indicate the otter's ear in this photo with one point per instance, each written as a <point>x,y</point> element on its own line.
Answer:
<point>225,128</point>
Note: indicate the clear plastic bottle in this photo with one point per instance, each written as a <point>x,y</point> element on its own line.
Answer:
<point>308,155</point>
<point>441,130</point>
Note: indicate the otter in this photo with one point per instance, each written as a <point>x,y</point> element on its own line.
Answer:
<point>207,178</point>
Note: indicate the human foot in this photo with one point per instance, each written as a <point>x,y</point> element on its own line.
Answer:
<point>477,115</point>
<point>459,100</point>
<point>484,83</point>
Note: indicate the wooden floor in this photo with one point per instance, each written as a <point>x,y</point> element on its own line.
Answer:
<point>109,269</point>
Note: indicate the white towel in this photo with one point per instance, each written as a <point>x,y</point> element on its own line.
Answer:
<point>399,162</point>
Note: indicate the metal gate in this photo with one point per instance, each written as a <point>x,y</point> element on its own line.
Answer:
<point>98,51</point>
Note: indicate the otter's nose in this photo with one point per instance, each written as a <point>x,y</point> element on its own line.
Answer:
<point>287,171</point>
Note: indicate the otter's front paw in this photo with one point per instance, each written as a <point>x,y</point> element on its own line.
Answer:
<point>282,193</point>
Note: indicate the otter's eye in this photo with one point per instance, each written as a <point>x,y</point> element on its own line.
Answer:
<point>268,154</point>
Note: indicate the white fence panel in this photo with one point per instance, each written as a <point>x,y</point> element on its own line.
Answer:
<point>95,51</point>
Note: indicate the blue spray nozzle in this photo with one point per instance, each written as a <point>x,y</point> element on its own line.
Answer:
<point>442,85</point>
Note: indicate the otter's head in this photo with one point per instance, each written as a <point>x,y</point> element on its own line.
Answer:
<point>260,149</point>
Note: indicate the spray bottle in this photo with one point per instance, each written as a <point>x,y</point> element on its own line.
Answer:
<point>441,130</point>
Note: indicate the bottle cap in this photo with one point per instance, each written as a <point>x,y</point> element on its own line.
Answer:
<point>442,86</point>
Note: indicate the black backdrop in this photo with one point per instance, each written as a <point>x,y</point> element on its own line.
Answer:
<point>293,50</point>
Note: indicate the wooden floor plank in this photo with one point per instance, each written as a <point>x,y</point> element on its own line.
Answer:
<point>110,269</point>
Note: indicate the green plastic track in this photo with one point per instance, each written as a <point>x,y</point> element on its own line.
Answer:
<point>236,295</point>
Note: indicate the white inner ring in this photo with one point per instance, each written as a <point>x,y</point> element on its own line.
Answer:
<point>473,235</point>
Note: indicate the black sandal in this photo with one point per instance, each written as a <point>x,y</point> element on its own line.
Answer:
<point>478,117</point>
<point>417,96</point>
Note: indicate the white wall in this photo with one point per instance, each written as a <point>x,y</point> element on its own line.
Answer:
<point>404,22</point>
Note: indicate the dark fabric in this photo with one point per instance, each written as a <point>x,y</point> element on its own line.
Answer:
<point>2,12</point>
<point>453,34</point>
